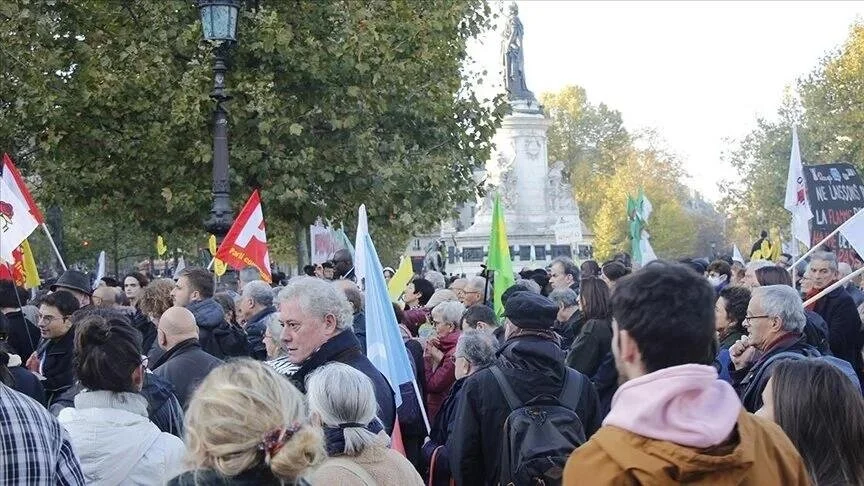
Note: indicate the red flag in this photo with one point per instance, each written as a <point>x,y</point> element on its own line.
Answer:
<point>15,271</point>
<point>396,439</point>
<point>246,241</point>
<point>16,184</point>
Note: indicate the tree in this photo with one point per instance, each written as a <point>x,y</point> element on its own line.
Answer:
<point>335,104</point>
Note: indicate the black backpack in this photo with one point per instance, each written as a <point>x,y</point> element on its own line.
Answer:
<point>539,435</point>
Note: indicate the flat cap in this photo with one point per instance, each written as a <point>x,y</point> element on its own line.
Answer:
<point>527,310</point>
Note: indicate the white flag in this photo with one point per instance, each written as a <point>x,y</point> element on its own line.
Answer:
<point>181,265</point>
<point>16,221</point>
<point>853,231</point>
<point>100,269</point>
<point>796,195</point>
<point>736,255</point>
<point>359,243</point>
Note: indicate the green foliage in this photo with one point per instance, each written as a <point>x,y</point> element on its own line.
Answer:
<point>826,106</point>
<point>335,104</point>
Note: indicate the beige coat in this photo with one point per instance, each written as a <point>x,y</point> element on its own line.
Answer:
<point>386,466</point>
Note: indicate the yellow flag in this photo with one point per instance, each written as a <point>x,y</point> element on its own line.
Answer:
<point>31,273</point>
<point>219,266</point>
<point>161,249</point>
<point>401,278</point>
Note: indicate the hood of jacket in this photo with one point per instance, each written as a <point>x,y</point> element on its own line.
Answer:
<point>651,461</point>
<point>208,313</point>
<point>111,435</point>
<point>533,353</point>
<point>685,405</point>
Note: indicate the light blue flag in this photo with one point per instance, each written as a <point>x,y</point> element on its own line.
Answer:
<point>384,345</point>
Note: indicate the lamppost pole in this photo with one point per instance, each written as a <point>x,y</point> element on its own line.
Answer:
<point>219,25</point>
<point>221,217</point>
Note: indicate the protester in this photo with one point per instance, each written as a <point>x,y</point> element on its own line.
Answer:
<point>343,265</point>
<point>21,334</point>
<point>737,273</point>
<point>17,377</point>
<point>153,301</point>
<point>317,319</point>
<point>775,324</point>
<point>611,271</point>
<point>750,279</point>
<point>106,297</point>
<point>569,319</point>
<point>132,284</point>
<point>194,290</point>
<point>417,293</point>
<point>271,339</point>
<point>246,275</point>
<point>388,273</point>
<point>34,449</point>
<point>255,306</point>
<point>475,291</point>
<point>719,275</point>
<point>355,298</point>
<point>843,271</point>
<point>436,279</point>
<point>109,426</point>
<point>594,334</point>
<point>483,318</point>
<point>475,351</point>
<point>532,364</point>
<point>184,363</point>
<point>246,425</point>
<point>528,285</point>
<point>53,357</point>
<point>438,354</point>
<point>226,301</point>
<point>838,309</point>
<point>457,286</point>
<point>564,273</point>
<point>327,270</point>
<point>77,284</point>
<point>589,268</point>
<point>673,421</point>
<point>730,309</point>
<point>342,399</point>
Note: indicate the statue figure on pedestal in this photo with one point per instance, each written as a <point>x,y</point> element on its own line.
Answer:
<point>555,186</point>
<point>514,59</point>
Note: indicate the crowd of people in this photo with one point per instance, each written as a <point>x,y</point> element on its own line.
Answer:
<point>689,372</point>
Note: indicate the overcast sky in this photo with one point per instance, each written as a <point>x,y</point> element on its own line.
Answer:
<point>699,73</point>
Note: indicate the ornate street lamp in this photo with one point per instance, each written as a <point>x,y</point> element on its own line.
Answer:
<point>219,23</point>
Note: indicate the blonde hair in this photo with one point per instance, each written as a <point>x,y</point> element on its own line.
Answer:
<point>232,410</point>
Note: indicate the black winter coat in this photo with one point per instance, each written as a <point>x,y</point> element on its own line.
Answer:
<point>445,423</point>
<point>750,382</point>
<point>56,356</point>
<point>27,383</point>
<point>592,342</point>
<point>568,329</point>
<point>21,335</point>
<point>256,326</point>
<point>345,348</point>
<point>184,366</point>
<point>145,327</point>
<point>214,332</point>
<point>533,366</point>
<point>844,327</point>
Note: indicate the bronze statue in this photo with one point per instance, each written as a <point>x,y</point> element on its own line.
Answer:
<point>514,59</point>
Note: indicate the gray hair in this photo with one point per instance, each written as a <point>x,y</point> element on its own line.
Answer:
<point>275,327</point>
<point>476,283</point>
<point>449,312</point>
<point>844,269</point>
<point>259,291</point>
<point>441,295</point>
<point>825,256</point>
<point>784,302</point>
<point>340,394</point>
<point>528,284</point>
<point>566,297</point>
<point>436,279</point>
<point>477,347</point>
<point>318,298</point>
<point>568,265</point>
<point>249,274</point>
<point>754,265</point>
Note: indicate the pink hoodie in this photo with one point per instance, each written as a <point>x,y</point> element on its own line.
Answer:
<point>685,404</point>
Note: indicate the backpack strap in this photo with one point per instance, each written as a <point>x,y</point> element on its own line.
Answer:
<point>512,400</point>
<point>572,389</point>
<point>354,468</point>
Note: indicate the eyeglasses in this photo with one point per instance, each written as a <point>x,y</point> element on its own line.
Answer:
<point>48,318</point>
<point>747,319</point>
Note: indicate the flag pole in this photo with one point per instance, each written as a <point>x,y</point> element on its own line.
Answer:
<point>54,246</point>
<point>833,286</point>
<point>420,401</point>
<point>830,235</point>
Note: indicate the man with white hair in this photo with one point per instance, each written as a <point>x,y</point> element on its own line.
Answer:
<point>837,308</point>
<point>254,307</point>
<point>775,324</point>
<point>317,330</point>
<point>473,292</point>
<point>750,280</point>
<point>437,279</point>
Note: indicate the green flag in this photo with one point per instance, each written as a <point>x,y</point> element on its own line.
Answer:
<point>499,257</point>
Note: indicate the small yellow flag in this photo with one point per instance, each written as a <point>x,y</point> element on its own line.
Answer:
<point>161,249</point>
<point>31,273</point>
<point>400,279</point>
<point>219,266</point>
